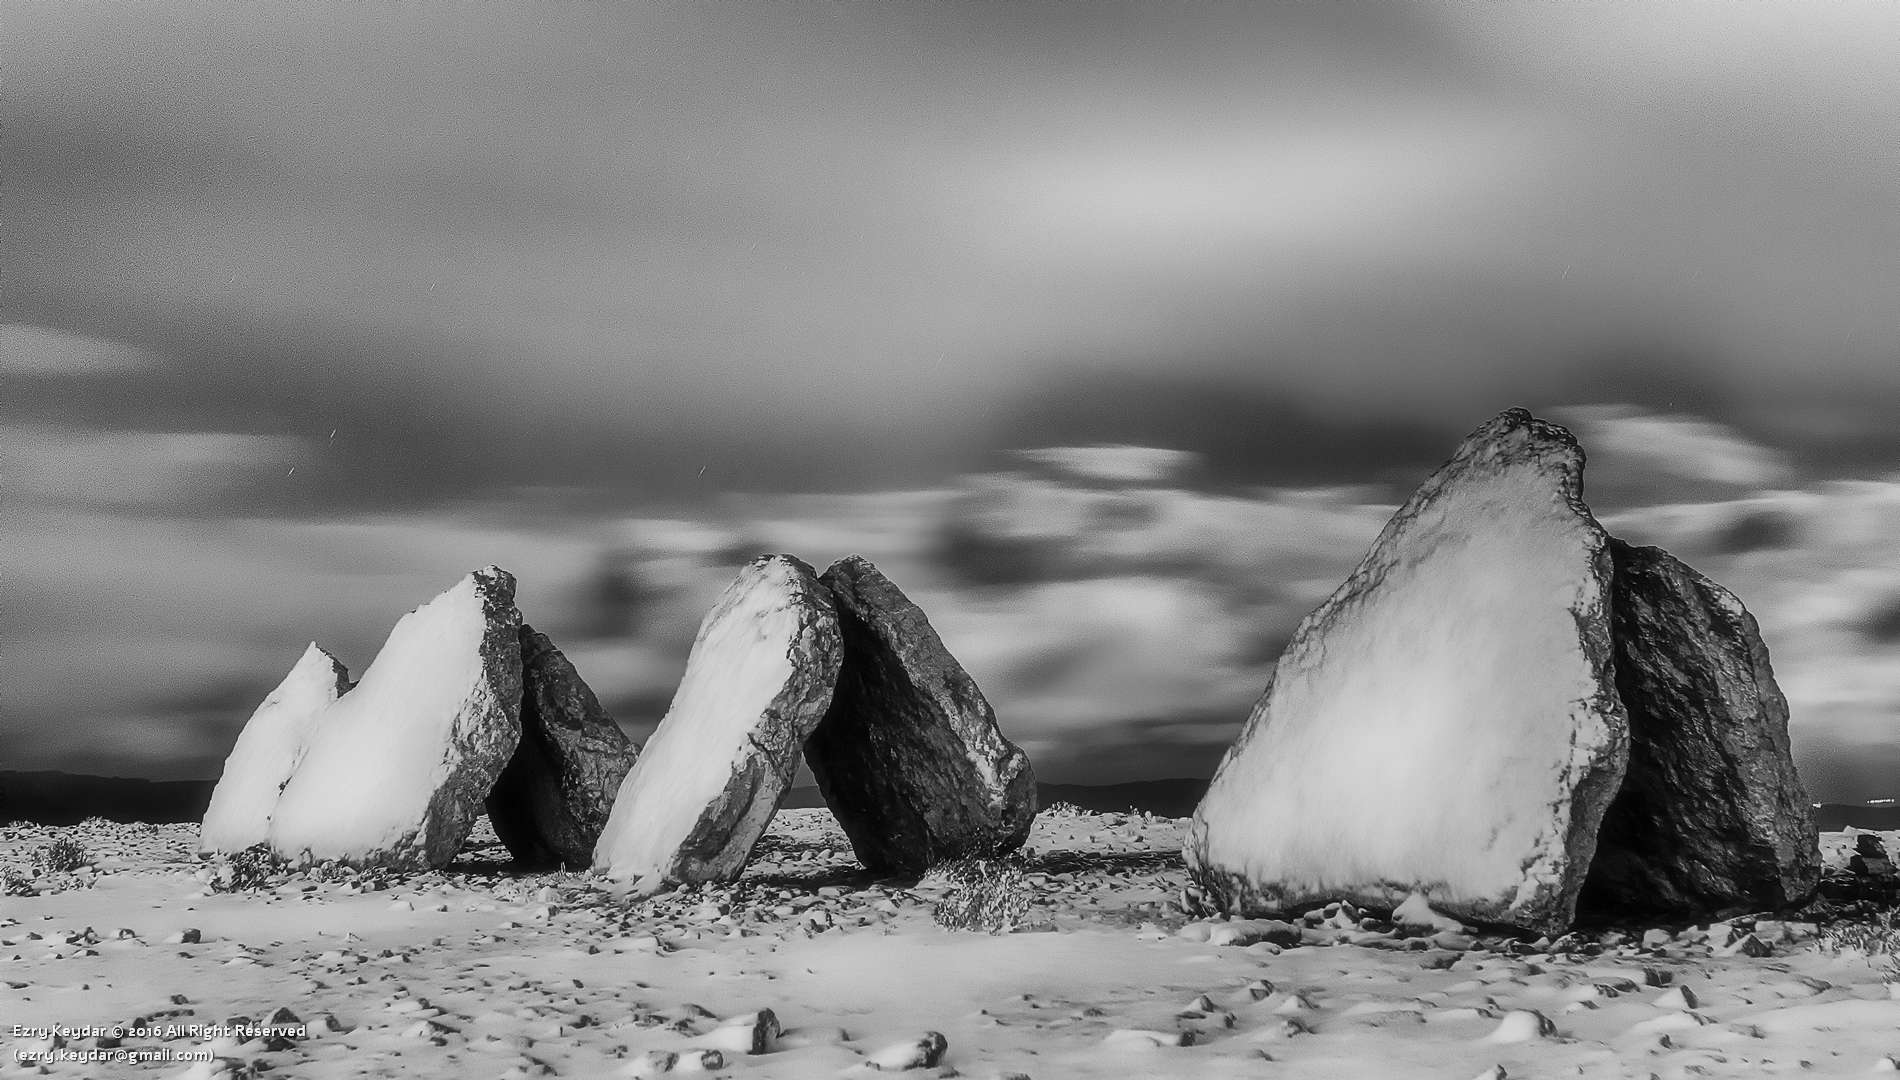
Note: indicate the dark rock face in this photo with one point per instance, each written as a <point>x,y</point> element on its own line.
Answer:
<point>758,680</point>
<point>909,756</point>
<point>1447,721</point>
<point>552,800</point>
<point>1711,818</point>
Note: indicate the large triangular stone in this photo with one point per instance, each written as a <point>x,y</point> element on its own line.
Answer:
<point>909,756</point>
<point>1447,721</point>
<point>1711,819</point>
<point>268,751</point>
<point>758,680</point>
<point>553,799</point>
<point>400,765</point>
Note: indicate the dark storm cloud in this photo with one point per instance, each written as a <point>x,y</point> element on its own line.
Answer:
<point>1758,530</point>
<point>1881,625</point>
<point>1245,432</point>
<point>606,248</point>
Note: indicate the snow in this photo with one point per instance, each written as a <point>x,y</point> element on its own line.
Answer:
<point>379,754</point>
<point>503,969</point>
<point>268,751</point>
<point>1417,912</point>
<point>740,663</point>
<point>1430,736</point>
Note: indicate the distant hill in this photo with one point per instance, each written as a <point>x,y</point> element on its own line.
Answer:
<point>1880,815</point>
<point>57,798</point>
<point>1168,798</point>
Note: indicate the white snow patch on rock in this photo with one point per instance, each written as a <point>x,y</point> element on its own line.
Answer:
<point>730,714</point>
<point>384,751</point>
<point>268,751</point>
<point>1431,723</point>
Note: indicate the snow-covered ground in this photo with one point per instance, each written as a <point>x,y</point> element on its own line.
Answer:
<point>472,971</point>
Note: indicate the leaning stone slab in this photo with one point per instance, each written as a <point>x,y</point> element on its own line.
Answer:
<point>1447,722</point>
<point>400,765</point>
<point>1711,819</point>
<point>909,756</point>
<point>758,680</point>
<point>552,800</point>
<point>268,751</point>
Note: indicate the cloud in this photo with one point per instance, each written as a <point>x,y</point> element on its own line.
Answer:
<point>176,472</point>
<point>1641,454</point>
<point>119,618</point>
<point>1123,609</point>
<point>1125,465</point>
<point>667,253</point>
<point>39,350</point>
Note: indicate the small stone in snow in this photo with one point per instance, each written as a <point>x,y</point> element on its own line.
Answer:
<point>1145,1039</point>
<point>1522,1025</point>
<point>651,1063</point>
<point>920,1053</point>
<point>1676,997</point>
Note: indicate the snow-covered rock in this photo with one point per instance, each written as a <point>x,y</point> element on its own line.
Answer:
<point>758,680</point>
<point>909,756</point>
<point>554,797</point>
<point>268,751</point>
<point>1711,817</point>
<point>399,766</point>
<point>1447,721</point>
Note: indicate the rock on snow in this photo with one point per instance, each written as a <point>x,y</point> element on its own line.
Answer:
<point>1514,714</point>
<point>909,756</point>
<point>1711,818</point>
<point>1447,720</point>
<point>758,680</point>
<point>552,800</point>
<point>268,751</point>
<point>399,766</point>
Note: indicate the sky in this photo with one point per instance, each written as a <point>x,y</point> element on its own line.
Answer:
<point>312,308</point>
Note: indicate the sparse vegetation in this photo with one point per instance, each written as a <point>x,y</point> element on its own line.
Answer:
<point>249,870</point>
<point>987,894</point>
<point>14,883</point>
<point>1877,937</point>
<point>366,879</point>
<point>61,856</point>
<point>1062,809</point>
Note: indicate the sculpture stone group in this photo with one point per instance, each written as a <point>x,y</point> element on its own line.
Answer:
<point>1504,711</point>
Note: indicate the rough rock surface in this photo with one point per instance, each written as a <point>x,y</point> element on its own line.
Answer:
<point>268,751</point>
<point>400,765</point>
<point>1711,818</point>
<point>553,799</point>
<point>1447,721</point>
<point>909,756</point>
<point>758,680</point>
